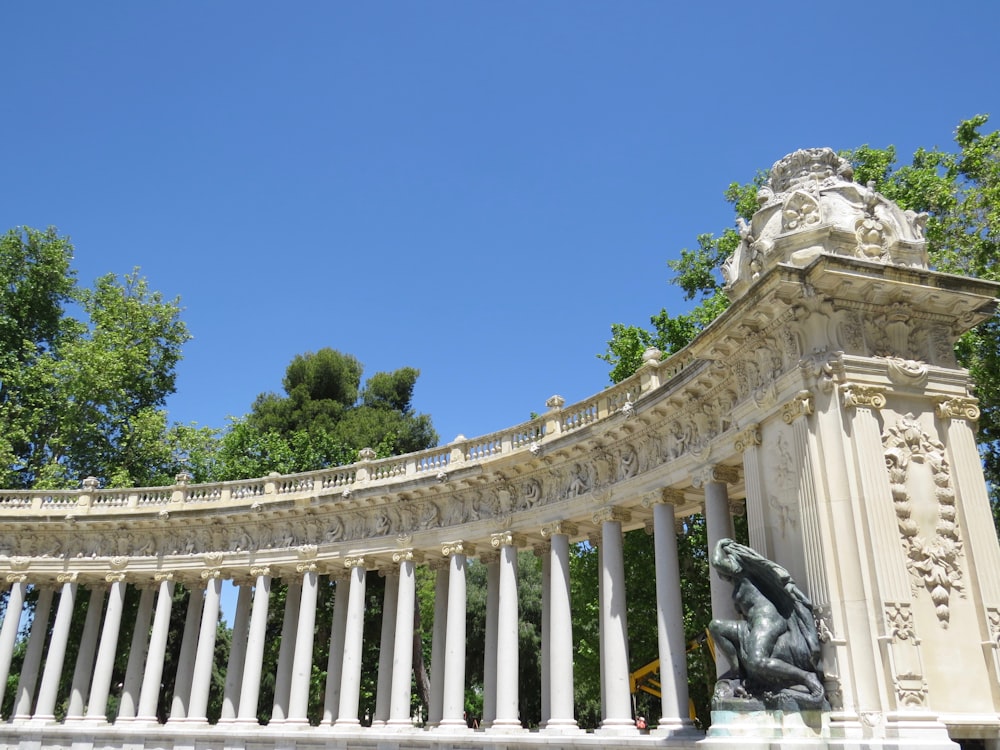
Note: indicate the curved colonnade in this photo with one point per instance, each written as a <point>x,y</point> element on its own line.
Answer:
<point>826,401</point>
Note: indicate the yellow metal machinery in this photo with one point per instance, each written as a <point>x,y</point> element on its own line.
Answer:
<point>645,677</point>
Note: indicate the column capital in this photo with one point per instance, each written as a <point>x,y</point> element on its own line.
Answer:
<point>458,547</point>
<point>407,555</point>
<point>801,405</point>
<point>748,438</point>
<point>490,556</point>
<point>357,561</point>
<point>115,577</point>
<point>559,527</point>
<point>542,549</point>
<point>211,574</point>
<point>68,577</point>
<point>611,513</point>
<point>957,408</point>
<point>17,578</point>
<point>308,566</point>
<point>260,570</point>
<point>737,507</point>
<point>666,496</point>
<point>717,473</point>
<point>862,396</point>
<point>506,539</point>
<point>437,564</point>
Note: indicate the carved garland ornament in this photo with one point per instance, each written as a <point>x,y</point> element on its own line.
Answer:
<point>932,555</point>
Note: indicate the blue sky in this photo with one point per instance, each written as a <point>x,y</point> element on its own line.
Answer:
<point>474,189</point>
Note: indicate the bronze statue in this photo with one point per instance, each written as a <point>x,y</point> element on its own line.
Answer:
<point>775,650</point>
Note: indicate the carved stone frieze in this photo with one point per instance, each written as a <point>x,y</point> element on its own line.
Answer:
<point>933,552</point>
<point>899,622</point>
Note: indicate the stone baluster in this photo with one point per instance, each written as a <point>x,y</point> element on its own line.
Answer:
<point>335,663</point>
<point>387,639</point>
<point>298,697</point>
<point>83,670</point>
<point>718,525</point>
<point>100,686</point>
<point>402,652</point>
<point>189,644</point>
<point>507,634</point>
<point>237,651</point>
<point>491,560</point>
<point>44,709</point>
<point>453,691</point>
<point>153,673</point>
<point>350,678</point>
<point>614,625</point>
<point>11,623</point>
<point>256,640</point>
<point>201,675</point>
<point>669,616</point>
<point>558,636</point>
<point>286,650</point>
<point>438,634</point>
<point>28,679</point>
<point>136,655</point>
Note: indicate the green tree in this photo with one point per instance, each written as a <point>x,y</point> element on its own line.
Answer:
<point>84,395</point>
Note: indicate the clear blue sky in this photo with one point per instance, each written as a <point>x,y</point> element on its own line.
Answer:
<point>475,189</point>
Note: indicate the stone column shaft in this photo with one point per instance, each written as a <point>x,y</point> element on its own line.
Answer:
<point>559,644</point>
<point>97,705</point>
<point>256,639</point>
<point>298,697</point>
<point>8,633</point>
<point>24,698</point>
<point>335,661</point>
<point>136,656</point>
<point>490,651</point>
<point>386,642</point>
<point>153,674</point>
<point>453,692</point>
<point>201,675</point>
<point>83,670</point>
<point>507,641</point>
<point>237,653</point>
<point>438,635</point>
<point>185,662</point>
<point>286,652</point>
<point>56,653</point>
<point>614,633</point>
<point>350,678</point>
<point>402,652</point>
<point>719,525</point>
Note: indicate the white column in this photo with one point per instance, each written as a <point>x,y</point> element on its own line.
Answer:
<point>614,630</point>
<point>558,646</point>
<point>402,652</point>
<point>669,619</point>
<point>149,695</point>
<point>507,635</point>
<point>438,635</point>
<point>544,553</point>
<point>97,705</point>
<point>83,670</point>
<point>386,642</point>
<point>185,662</point>
<point>453,693</point>
<point>718,525</point>
<point>298,694</point>
<point>286,650</point>
<point>201,676</point>
<point>11,623</point>
<point>350,678</point>
<point>237,652</point>
<point>335,661</point>
<point>748,443</point>
<point>256,639</point>
<point>136,656</point>
<point>28,679</point>
<point>491,560</point>
<point>57,650</point>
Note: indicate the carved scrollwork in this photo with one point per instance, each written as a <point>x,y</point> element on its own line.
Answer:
<point>899,622</point>
<point>748,438</point>
<point>958,408</point>
<point>932,554</point>
<point>800,406</point>
<point>863,396</point>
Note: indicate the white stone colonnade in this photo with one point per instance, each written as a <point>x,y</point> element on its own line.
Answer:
<point>825,403</point>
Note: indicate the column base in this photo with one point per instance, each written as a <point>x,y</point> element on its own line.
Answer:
<point>618,728</point>
<point>505,727</point>
<point>562,726</point>
<point>676,728</point>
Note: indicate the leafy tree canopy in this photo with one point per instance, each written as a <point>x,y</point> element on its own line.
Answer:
<point>84,372</point>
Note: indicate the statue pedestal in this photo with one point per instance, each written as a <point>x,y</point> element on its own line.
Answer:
<point>764,723</point>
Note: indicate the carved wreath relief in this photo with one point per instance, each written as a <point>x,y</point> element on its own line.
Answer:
<point>929,532</point>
